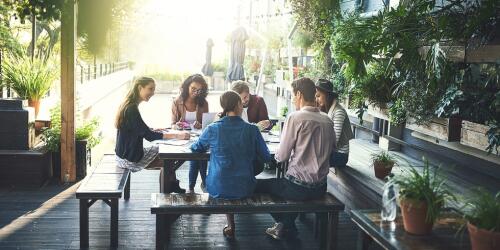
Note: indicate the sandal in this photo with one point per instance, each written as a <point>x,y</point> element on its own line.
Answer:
<point>228,232</point>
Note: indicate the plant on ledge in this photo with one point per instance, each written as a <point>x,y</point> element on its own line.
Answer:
<point>422,194</point>
<point>382,164</point>
<point>482,212</point>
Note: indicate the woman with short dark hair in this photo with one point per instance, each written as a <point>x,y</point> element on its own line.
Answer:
<point>234,147</point>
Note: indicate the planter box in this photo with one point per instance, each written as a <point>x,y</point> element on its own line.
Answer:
<point>474,135</point>
<point>375,111</point>
<point>446,129</point>
<point>24,168</point>
<point>82,158</point>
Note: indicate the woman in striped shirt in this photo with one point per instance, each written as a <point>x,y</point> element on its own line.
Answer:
<point>327,100</point>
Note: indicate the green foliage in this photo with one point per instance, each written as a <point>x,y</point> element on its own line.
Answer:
<point>383,157</point>
<point>303,39</point>
<point>29,79</point>
<point>376,85</point>
<point>482,210</point>
<point>426,185</point>
<point>43,9</point>
<point>284,111</point>
<point>86,131</point>
<point>397,113</point>
<point>316,16</point>
<point>7,40</point>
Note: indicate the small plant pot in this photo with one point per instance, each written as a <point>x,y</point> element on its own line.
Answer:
<point>482,239</point>
<point>382,170</point>
<point>415,217</point>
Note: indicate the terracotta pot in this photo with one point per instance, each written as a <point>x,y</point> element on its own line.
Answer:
<point>482,239</point>
<point>34,104</point>
<point>382,170</point>
<point>414,217</point>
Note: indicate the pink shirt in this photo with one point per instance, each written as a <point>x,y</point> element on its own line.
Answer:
<point>307,140</point>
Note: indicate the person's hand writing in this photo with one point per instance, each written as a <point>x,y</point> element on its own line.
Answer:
<point>197,125</point>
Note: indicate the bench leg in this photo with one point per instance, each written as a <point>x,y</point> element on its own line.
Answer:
<point>163,225</point>
<point>84,223</point>
<point>114,222</point>
<point>127,187</point>
<point>333,223</point>
<point>323,230</point>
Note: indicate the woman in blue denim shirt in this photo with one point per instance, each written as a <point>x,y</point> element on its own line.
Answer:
<point>234,147</point>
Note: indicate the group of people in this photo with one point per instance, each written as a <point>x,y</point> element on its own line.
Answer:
<point>314,138</point>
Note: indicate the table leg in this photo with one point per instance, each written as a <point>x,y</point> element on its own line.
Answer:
<point>323,230</point>
<point>364,240</point>
<point>168,181</point>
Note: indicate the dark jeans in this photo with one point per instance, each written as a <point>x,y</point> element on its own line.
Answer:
<point>194,168</point>
<point>286,189</point>
<point>338,160</point>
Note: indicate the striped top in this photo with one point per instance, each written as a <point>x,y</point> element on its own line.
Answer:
<point>342,127</point>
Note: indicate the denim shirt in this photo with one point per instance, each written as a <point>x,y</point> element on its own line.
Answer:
<point>234,146</point>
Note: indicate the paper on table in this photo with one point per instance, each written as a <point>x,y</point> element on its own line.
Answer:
<point>173,142</point>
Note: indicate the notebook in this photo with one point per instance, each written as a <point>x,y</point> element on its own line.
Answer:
<point>206,119</point>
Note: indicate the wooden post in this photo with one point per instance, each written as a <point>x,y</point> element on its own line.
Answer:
<point>68,56</point>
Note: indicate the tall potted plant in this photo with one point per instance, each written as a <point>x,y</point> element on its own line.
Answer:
<point>482,212</point>
<point>421,195</point>
<point>30,78</point>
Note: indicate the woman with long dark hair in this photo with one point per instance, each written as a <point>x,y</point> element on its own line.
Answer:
<point>327,100</point>
<point>234,147</point>
<point>129,149</point>
<point>187,112</point>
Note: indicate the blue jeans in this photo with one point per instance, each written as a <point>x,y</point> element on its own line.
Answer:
<point>194,168</point>
<point>338,160</point>
<point>286,189</point>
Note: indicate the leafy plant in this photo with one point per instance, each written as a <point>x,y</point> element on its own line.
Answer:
<point>86,131</point>
<point>29,79</point>
<point>383,157</point>
<point>397,113</point>
<point>482,210</point>
<point>284,111</point>
<point>426,186</point>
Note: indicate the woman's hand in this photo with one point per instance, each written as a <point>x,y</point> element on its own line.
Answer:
<point>184,135</point>
<point>264,124</point>
<point>180,135</point>
<point>197,125</point>
<point>178,126</point>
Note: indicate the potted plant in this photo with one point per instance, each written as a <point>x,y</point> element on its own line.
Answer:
<point>422,194</point>
<point>382,164</point>
<point>482,212</point>
<point>30,78</point>
<point>85,139</point>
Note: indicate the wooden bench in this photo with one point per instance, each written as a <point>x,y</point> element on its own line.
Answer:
<point>168,207</point>
<point>106,182</point>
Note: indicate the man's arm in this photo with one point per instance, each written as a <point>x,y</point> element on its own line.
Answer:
<point>288,140</point>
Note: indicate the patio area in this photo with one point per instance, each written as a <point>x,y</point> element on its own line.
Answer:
<point>47,218</point>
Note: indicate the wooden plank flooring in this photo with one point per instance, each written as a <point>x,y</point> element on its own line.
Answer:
<point>47,218</point>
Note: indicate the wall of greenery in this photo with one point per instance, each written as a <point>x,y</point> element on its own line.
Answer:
<point>398,58</point>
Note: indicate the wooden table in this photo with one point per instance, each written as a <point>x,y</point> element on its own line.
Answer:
<point>391,235</point>
<point>174,156</point>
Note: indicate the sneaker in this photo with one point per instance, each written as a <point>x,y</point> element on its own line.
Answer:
<point>277,231</point>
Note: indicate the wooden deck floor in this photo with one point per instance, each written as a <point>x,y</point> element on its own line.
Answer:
<point>47,218</point>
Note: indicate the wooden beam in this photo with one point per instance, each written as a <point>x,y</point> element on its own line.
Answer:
<point>68,56</point>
